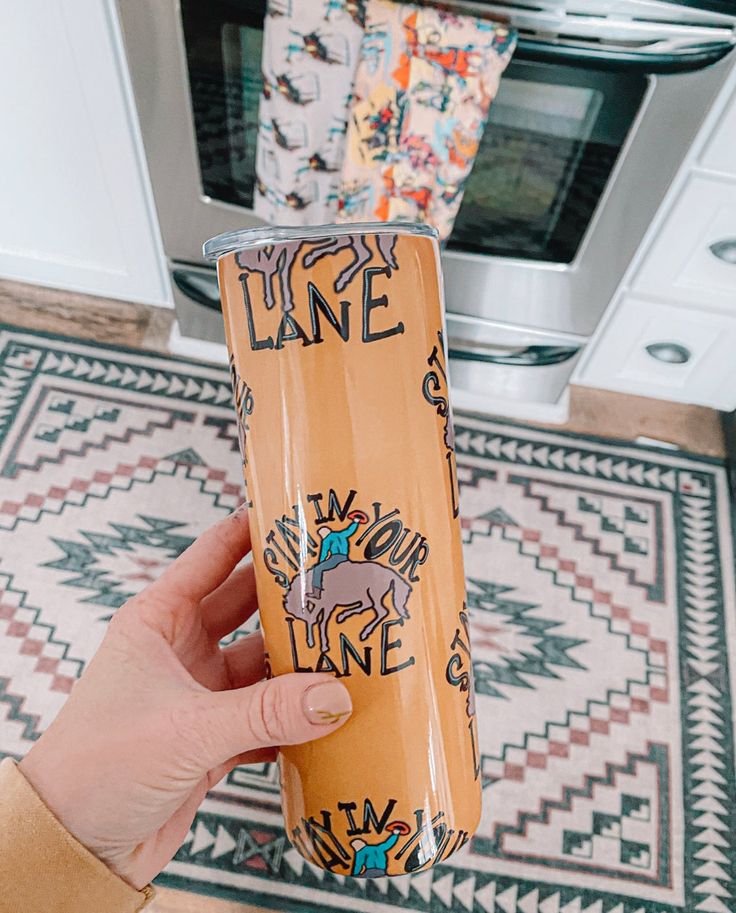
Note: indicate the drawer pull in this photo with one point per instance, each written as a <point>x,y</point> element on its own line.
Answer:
<point>671,353</point>
<point>725,250</point>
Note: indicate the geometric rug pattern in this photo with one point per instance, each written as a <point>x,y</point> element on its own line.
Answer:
<point>601,595</point>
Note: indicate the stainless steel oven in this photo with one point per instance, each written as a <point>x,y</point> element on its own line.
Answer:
<point>595,113</point>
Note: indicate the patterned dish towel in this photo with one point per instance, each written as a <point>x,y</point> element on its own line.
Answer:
<point>423,87</point>
<point>310,52</point>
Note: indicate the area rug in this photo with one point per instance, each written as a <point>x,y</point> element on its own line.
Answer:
<point>600,585</point>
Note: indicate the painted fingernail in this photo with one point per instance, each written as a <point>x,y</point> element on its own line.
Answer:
<point>327,703</point>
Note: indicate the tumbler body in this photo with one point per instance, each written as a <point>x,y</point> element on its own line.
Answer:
<point>339,371</point>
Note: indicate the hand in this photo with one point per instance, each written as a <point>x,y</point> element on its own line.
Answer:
<point>162,712</point>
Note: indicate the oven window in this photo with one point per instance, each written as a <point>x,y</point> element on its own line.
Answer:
<point>223,45</point>
<point>241,49</point>
<point>554,135</point>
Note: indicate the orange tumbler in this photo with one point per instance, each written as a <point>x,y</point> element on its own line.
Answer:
<point>339,371</point>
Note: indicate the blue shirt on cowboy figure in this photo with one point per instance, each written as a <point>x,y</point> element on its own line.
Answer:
<point>371,859</point>
<point>335,549</point>
<point>336,541</point>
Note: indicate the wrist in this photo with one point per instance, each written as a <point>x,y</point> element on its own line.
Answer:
<point>72,875</point>
<point>49,783</point>
<point>66,794</point>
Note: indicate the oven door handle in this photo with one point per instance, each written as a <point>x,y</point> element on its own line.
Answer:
<point>199,286</point>
<point>683,60</point>
<point>521,356</point>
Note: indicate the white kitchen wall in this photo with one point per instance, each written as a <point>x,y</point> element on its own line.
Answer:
<point>76,210</point>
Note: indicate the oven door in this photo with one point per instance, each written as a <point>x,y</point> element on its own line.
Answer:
<point>195,69</point>
<point>582,145</point>
<point>556,131</point>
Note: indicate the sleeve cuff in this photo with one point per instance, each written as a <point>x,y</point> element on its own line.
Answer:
<point>42,867</point>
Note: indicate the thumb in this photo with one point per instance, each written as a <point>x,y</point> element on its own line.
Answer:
<point>285,710</point>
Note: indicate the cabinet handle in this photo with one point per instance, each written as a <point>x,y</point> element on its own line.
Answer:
<point>725,250</point>
<point>671,353</point>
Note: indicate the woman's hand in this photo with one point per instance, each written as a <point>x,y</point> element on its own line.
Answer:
<point>163,712</point>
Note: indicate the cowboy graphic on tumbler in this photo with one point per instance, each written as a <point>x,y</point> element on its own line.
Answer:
<point>336,585</point>
<point>371,859</point>
<point>335,549</point>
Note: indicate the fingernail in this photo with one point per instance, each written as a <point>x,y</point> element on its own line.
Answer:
<point>327,703</point>
<point>240,508</point>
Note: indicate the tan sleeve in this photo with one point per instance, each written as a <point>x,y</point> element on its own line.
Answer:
<point>43,868</point>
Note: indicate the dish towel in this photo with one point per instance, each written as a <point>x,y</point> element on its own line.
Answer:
<point>423,87</point>
<point>310,52</point>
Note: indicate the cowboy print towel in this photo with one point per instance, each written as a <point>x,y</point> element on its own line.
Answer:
<point>423,87</point>
<point>310,51</point>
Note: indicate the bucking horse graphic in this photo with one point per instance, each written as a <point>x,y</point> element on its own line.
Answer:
<point>348,589</point>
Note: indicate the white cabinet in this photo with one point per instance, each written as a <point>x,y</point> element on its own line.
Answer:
<point>76,206</point>
<point>720,150</point>
<point>667,352</point>
<point>670,332</point>
<point>693,258</point>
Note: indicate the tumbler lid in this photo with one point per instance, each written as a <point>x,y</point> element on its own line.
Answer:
<point>273,234</point>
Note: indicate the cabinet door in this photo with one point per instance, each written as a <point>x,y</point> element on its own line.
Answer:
<point>76,208</point>
<point>693,259</point>
<point>666,352</point>
<point>720,152</point>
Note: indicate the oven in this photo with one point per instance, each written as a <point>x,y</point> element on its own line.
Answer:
<point>595,114</point>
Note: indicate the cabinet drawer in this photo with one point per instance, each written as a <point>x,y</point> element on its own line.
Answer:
<point>693,259</point>
<point>720,152</point>
<point>666,352</point>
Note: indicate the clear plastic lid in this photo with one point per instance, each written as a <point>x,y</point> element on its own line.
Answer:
<point>272,234</point>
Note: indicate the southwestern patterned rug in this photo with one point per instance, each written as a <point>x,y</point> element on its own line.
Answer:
<point>600,581</point>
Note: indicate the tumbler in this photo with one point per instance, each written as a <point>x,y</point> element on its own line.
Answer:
<point>339,369</point>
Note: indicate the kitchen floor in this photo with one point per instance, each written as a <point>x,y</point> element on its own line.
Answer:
<point>592,412</point>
